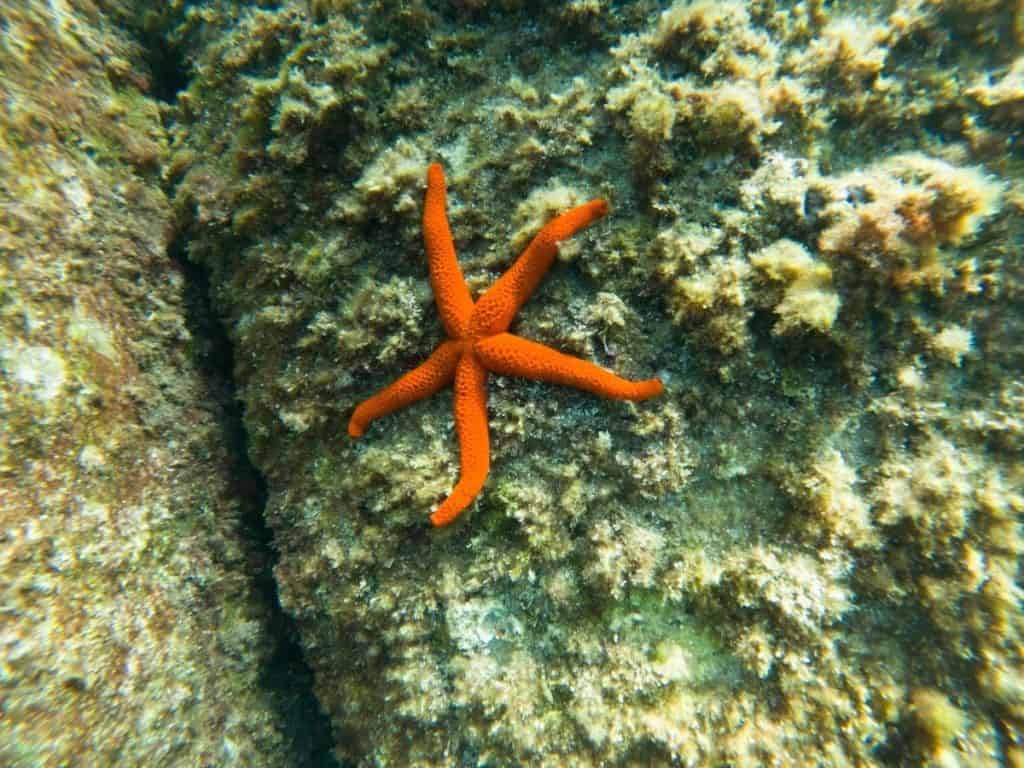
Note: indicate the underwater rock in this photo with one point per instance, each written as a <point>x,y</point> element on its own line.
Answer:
<point>808,551</point>
<point>132,632</point>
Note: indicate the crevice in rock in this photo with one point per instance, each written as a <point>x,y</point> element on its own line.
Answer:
<point>287,678</point>
<point>168,68</point>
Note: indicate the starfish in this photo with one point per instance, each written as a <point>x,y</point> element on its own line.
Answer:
<point>478,342</point>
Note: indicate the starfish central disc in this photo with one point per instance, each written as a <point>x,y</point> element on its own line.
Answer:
<point>478,343</point>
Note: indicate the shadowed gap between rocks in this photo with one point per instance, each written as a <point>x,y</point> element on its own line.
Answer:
<point>287,678</point>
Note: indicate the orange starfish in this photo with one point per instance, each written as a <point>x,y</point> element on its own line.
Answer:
<point>477,343</point>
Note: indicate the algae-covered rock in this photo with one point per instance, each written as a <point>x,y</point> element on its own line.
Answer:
<point>807,552</point>
<point>131,629</point>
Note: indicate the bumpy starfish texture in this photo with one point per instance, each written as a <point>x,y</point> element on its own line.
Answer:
<point>478,343</point>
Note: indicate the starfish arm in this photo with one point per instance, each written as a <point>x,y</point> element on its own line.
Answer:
<point>454,303</point>
<point>432,375</point>
<point>511,355</point>
<point>495,310</point>
<point>474,441</point>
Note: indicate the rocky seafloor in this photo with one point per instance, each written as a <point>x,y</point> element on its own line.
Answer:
<point>807,552</point>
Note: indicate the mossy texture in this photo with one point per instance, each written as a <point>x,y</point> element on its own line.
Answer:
<point>808,551</point>
<point>131,632</point>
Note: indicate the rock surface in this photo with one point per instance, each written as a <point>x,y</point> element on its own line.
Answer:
<point>808,551</point>
<point>132,631</point>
